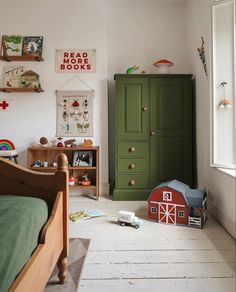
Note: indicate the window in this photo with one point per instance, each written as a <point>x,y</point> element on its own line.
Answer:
<point>223,85</point>
<point>181,213</point>
<point>167,196</point>
<point>153,210</point>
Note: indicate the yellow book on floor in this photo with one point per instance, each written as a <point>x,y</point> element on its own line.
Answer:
<point>79,216</point>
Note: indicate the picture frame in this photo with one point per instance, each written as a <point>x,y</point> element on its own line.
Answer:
<point>83,158</point>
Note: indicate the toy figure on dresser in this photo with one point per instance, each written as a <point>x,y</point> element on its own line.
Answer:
<point>59,143</point>
<point>85,180</point>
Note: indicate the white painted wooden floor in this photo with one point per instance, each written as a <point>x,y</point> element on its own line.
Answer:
<point>155,257</point>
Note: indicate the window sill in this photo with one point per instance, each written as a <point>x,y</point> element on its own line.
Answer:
<point>231,172</point>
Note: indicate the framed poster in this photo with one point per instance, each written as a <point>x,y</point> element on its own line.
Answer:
<point>75,113</point>
<point>75,61</point>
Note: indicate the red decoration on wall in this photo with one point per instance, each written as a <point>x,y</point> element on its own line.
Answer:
<point>4,105</point>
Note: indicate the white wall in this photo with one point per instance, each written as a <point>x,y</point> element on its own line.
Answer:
<point>198,22</point>
<point>135,32</point>
<point>141,32</point>
<point>63,24</point>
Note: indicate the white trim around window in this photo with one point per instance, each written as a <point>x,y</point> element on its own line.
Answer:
<point>223,65</point>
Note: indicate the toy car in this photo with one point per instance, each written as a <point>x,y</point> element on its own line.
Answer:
<point>129,218</point>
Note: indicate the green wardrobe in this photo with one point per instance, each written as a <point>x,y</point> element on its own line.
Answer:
<point>154,133</point>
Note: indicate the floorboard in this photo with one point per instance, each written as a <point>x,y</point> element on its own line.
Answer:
<point>156,257</point>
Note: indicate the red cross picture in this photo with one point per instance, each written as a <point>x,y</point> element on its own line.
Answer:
<point>4,105</point>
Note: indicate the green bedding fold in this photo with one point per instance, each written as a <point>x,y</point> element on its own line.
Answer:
<point>21,220</point>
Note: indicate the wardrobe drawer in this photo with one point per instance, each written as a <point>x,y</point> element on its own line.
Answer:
<point>132,149</point>
<point>132,181</point>
<point>132,165</point>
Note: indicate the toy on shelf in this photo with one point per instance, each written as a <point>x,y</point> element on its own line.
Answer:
<point>173,202</point>
<point>59,143</point>
<point>87,143</point>
<point>8,150</point>
<point>43,141</point>
<point>85,180</point>
<point>71,181</point>
<point>163,66</point>
<point>129,218</point>
<point>70,143</point>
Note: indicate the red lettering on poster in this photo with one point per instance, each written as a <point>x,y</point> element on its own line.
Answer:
<point>75,61</point>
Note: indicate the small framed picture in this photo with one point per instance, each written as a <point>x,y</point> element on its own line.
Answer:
<point>83,158</point>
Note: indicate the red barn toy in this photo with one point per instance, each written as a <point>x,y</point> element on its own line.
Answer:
<point>173,202</point>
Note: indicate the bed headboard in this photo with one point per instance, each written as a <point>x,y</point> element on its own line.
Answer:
<point>18,180</point>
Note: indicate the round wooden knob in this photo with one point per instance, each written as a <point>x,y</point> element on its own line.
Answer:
<point>132,166</point>
<point>153,133</point>
<point>132,149</point>
<point>145,108</point>
<point>132,182</point>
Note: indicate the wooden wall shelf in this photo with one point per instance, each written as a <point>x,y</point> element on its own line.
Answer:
<point>21,58</point>
<point>11,89</point>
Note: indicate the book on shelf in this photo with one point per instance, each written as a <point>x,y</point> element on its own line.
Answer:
<point>12,45</point>
<point>19,77</point>
<point>32,46</point>
<point>12,76</point>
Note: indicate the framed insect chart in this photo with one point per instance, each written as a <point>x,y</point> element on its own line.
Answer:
<point>75,113</point>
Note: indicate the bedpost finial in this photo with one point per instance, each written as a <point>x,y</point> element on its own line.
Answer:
<point>62,161</point>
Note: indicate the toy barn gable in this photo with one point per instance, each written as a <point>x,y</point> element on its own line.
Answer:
<point>173,202</point>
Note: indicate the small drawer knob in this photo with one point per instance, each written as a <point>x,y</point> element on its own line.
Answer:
<point>132,182</point>
<point>132,166</point>
<point>153,133</point>
<point>145,108</point>
<point>132,149</point>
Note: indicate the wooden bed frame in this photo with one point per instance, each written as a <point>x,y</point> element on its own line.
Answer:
<point>53,243</point>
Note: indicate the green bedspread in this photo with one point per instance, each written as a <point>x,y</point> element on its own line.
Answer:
<point>21,220</point>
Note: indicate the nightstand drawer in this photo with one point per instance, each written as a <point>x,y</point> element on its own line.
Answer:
<point>132,149</point>
<point>132,165</point>
<point>132,181</point>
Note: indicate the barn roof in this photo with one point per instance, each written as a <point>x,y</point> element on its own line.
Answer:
<point>174,184</point>
<point>193,198</point>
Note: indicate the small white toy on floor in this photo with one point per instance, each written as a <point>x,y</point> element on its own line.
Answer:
<point>129,218</point>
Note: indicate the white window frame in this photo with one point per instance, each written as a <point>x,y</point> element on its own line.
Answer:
<point>182,212</point>
<point>164,196</point>
<point>229,168</point>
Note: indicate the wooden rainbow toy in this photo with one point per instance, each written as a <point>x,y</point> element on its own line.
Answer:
<point>7,148</point>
